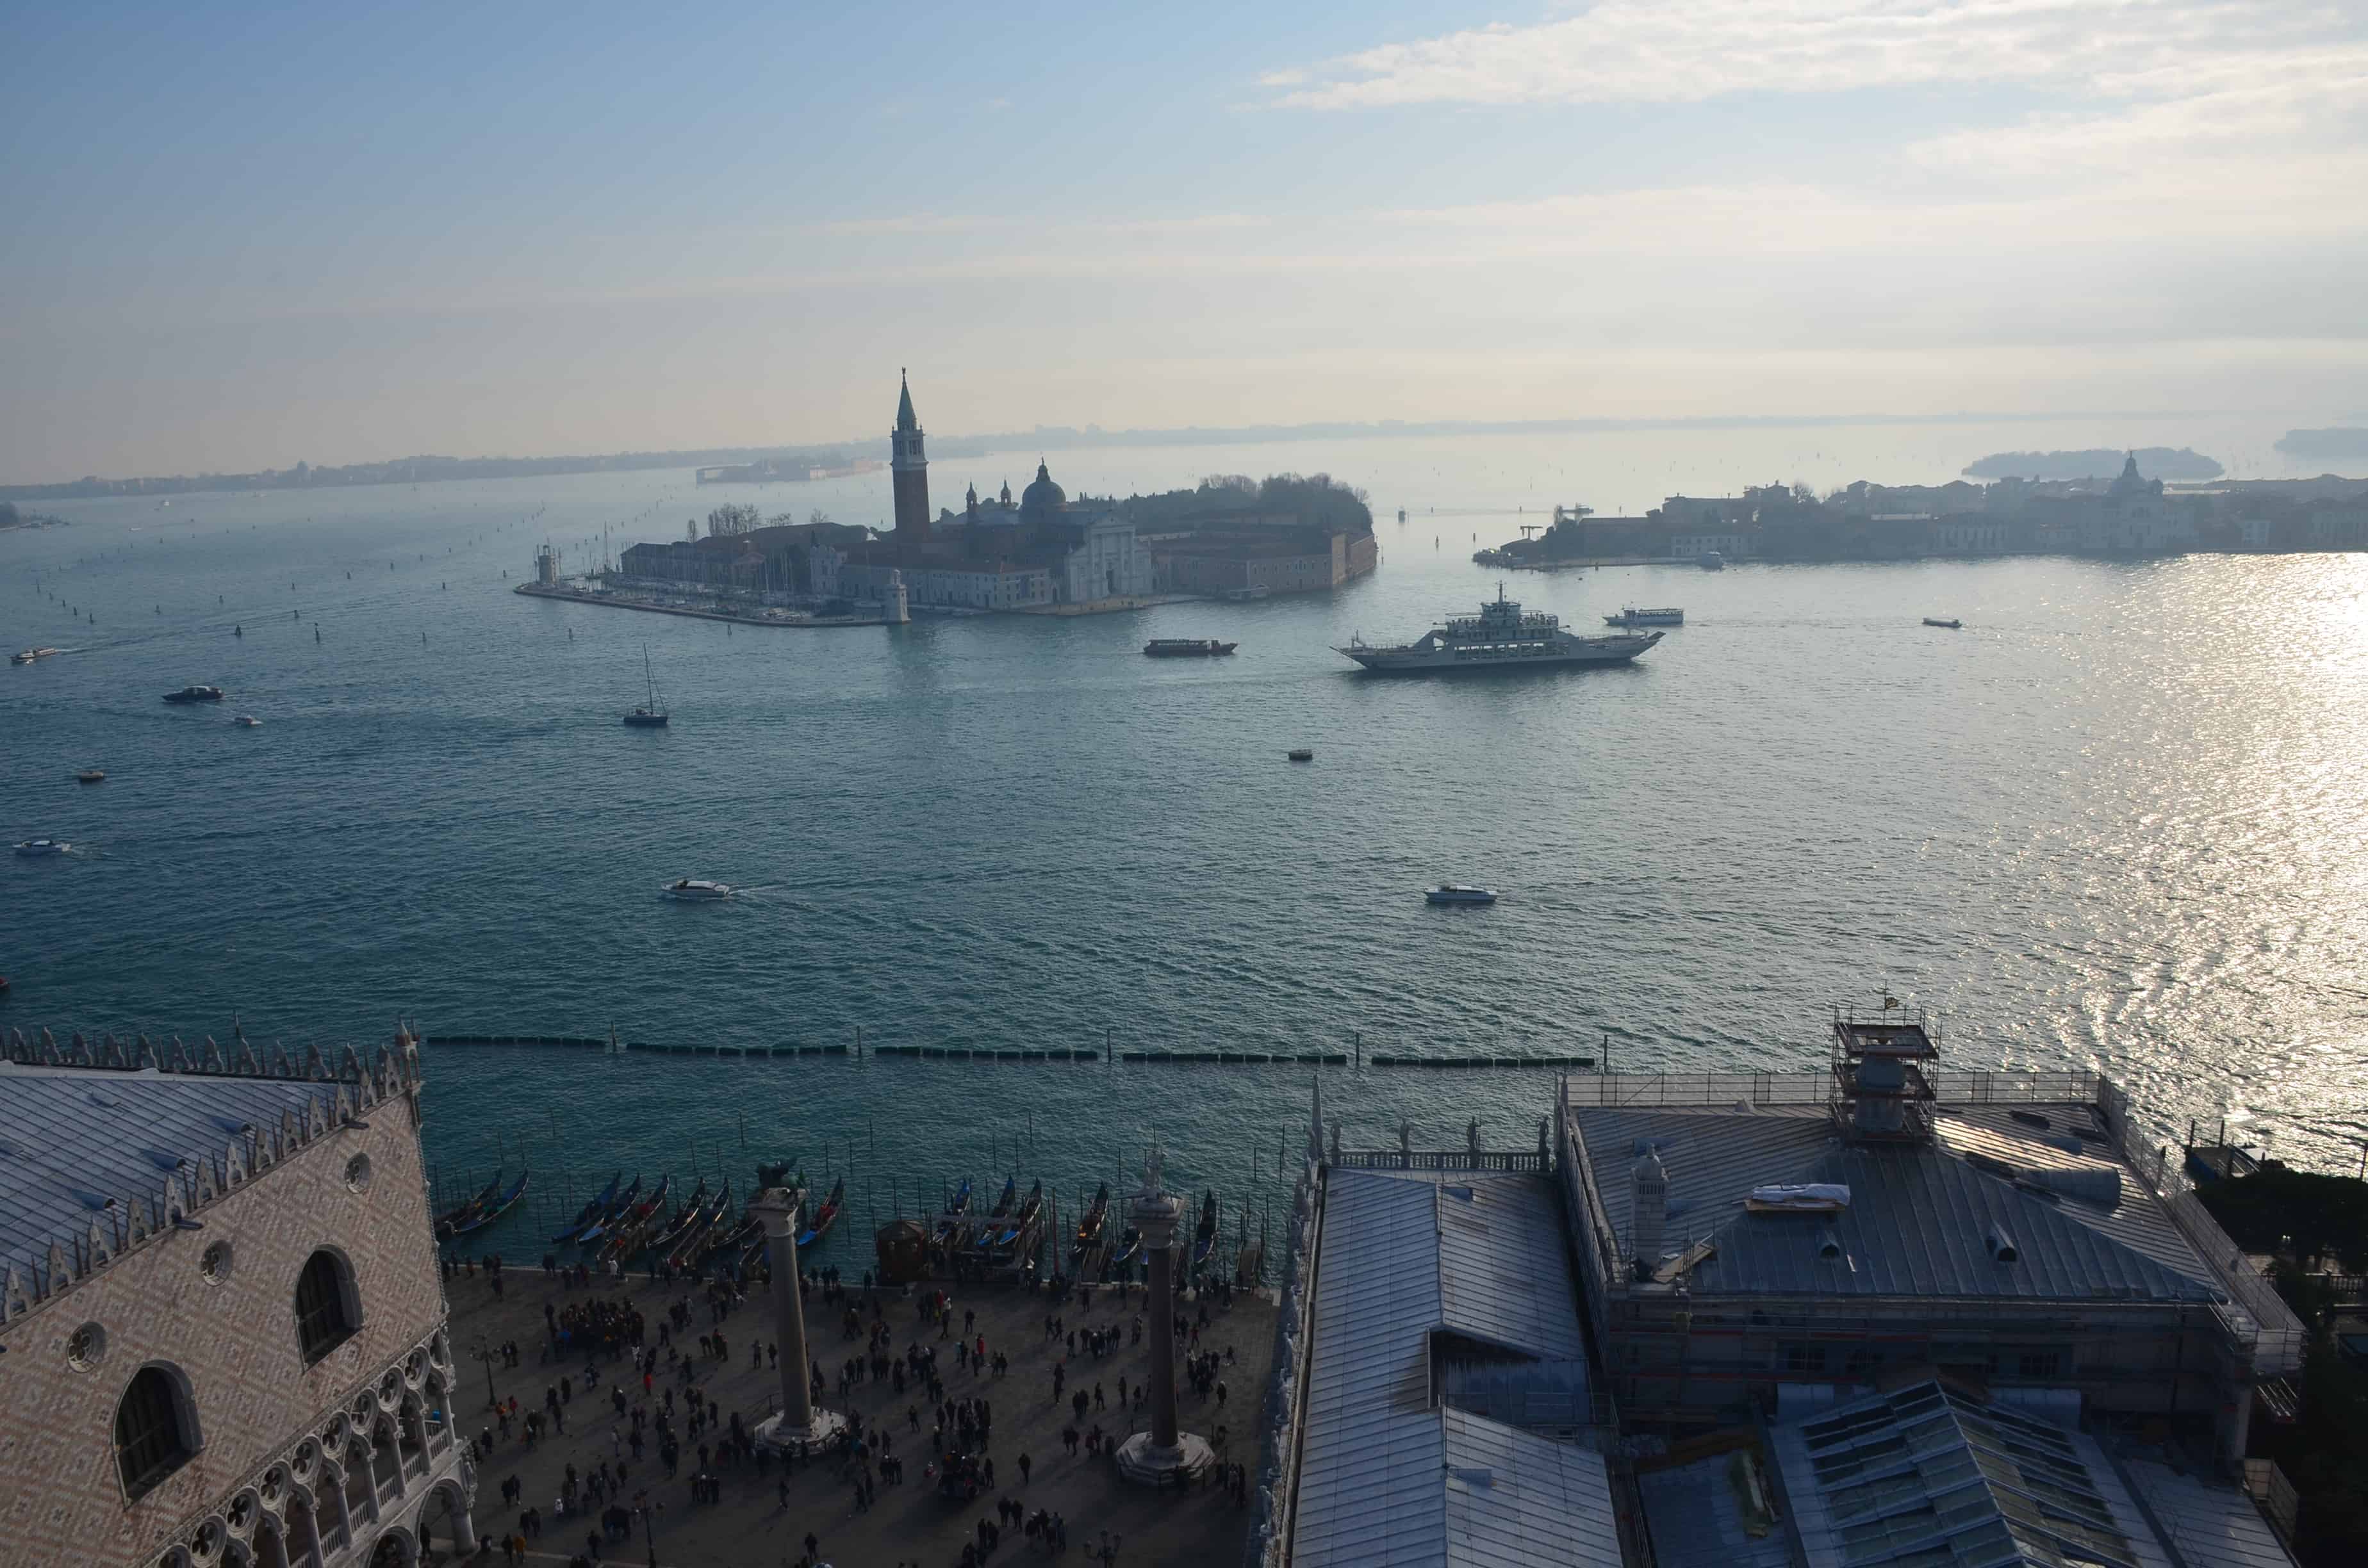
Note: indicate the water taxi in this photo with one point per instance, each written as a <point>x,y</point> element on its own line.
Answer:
<point>34,848</point>
<point>1457,893</point>
<point>195,694</point>
<point>1950,625</point>
<point>90,776</point>
<point>1187,647</point>
<point>695,890</point>
<point>29,654</point>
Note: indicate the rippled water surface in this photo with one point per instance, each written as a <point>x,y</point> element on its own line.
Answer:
<point>2115,822</point>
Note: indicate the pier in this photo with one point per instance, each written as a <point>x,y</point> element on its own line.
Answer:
<point>1107,1053</point>
<point>774,617</point>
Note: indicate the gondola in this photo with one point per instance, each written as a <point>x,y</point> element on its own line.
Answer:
<point>631,1234</point>
<point>1204,1240</point>
<point>995,1215</point>
<point>824,1216</point>
<point>735,1241</point>
<point>449,1225</point>
<point>591,1211</point>
<point>953,1212</point>
<point>1130,1242</point>
<point>500,1206</point>
<point>671,1234</point>
<point>1022,1219</point>
<point>694,1242</point>
<point>1090,1228</point>
<point>608,1222</point>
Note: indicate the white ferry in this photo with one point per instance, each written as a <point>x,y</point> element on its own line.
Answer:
<point>1666,617</point>
<point>1499,636</point>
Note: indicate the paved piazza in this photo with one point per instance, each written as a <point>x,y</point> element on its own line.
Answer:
<point>907,1523</point>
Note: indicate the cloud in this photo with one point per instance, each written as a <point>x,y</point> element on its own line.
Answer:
<point>1692,50</point>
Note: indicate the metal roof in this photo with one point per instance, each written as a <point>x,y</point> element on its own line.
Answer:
<point>1924,1475</point>
<point>77,1144</point>
<point>2206,1525</point>
<point>1697,1523</point>
<point>1388,1475</point>
<point>1920,1221</point>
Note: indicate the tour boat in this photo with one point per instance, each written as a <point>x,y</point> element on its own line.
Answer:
<point>1300,754</point>
<point>694,889</point>
<point>1950,625</point>
<point>1457,893</point>
<point>34,847</point>
<point>90,776</point>
<point>1633,617</point>
<point>195,694</point>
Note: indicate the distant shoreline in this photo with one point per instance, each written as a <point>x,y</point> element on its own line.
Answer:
<point>425,469</point>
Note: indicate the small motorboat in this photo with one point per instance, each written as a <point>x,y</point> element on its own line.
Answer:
<point>195,694</point>
<point>90,776</point>
<point>695,890</point>
<point>247,721</point>
<point>1457,893</point>
<point>29,654</point>
<point>1300,754</point>
<point>1950,625</point>
<point>35,848</point>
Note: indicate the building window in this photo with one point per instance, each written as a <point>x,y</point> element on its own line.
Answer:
<point>85,1347</point>
<point>1805,1357</point>
<point>214,1263</point>
<point>325,1315</point>
<point>357,1173</point>
<point>151,1439</point>
<point>2041,1364</point>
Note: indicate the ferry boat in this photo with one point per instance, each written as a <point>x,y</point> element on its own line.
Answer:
<point>29,654</point>
<point>1457,892</point>
<point>1498,637</point>
<point>34,848</point>
<point>1632,616</point>
<point>692,890</point>
<point>1950,625</point>
<point>195,694</point>
<point>1187,647</point>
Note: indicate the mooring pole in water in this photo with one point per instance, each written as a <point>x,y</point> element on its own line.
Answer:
<point>1359,1038</point>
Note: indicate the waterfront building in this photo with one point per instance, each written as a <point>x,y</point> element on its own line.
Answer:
<point>1882,1314</point>
<point>223,1331</point>
<point>1042,552</point>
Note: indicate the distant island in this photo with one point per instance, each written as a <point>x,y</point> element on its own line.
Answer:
<point>12,518</point>
<point>2162,462</point>
<point>2335,443</point>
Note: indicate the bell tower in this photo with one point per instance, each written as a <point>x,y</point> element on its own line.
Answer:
<point>909,471</point>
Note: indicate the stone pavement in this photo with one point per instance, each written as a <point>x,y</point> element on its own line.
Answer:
<point>907,1523</point>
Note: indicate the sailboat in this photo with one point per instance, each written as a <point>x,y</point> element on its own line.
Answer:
<point>649,716</point>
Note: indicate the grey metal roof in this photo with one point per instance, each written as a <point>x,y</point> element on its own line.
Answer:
<point>1918,1223</point>
<point>2207,1526</point>
<point>1385,1474</point>
<point>1697,1523</point>
<point>74,1140</point>
<point>1923,1475</point>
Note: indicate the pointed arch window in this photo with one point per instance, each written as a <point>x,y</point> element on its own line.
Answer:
<point>326,1314</point>
<point>154,1436</point>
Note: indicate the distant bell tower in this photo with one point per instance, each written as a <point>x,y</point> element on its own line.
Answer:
<point>910,471</point>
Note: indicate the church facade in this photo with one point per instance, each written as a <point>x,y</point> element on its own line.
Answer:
<point>1040,551</point>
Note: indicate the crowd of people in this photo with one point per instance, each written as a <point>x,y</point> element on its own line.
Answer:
<point>644,1388</point>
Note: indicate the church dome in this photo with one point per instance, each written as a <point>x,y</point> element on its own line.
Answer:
<point>1041,497</point>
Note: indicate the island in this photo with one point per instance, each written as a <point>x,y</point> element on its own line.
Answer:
<point>2163,462</point>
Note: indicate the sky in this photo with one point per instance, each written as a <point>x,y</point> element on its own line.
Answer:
<point>239,235</point>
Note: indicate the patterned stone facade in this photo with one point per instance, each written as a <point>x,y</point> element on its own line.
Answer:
<point>293,1464</point>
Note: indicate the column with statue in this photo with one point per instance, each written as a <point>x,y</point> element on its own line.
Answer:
<point>1162,1456</point>
<point>800,1427</point>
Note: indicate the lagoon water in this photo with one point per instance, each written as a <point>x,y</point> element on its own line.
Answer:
<point>2115,822</point>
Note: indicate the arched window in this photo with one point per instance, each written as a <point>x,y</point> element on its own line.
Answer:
<point>152,1439</point>
<point>324,1315</point>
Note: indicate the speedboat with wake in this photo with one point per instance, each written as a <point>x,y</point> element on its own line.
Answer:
<point>697,890</point>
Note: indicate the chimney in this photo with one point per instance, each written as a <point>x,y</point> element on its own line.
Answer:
<point>1648,1210</point>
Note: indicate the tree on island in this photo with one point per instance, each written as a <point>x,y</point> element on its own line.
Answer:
<point>725,522</point>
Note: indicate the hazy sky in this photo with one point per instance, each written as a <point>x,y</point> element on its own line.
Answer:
<point>233,237</point>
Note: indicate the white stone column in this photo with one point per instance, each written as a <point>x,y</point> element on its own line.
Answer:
<point>799,1427</point>
<point>1162,1456</point>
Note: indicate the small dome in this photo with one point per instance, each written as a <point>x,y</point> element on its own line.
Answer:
<point>1042,496</point>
